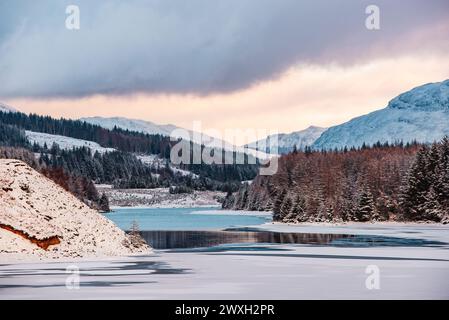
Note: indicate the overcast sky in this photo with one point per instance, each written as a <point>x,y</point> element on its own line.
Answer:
<point>282,64</point>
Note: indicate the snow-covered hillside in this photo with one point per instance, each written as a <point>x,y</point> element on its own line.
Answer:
<point>41,219</point>
<point>169,130</point>
<point>149,127</point>
<point>421,114</point>
<point>64,142</point>
<point>287,142</point>
<point>5,108</point>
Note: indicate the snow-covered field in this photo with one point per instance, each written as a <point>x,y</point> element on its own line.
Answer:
<point>270,272</point>
<point>161,198</point>
<point>156,162</point>
<point>64,142</point>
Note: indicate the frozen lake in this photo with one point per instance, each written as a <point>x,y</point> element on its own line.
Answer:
<point>262,261</point>
<point>186,228</point>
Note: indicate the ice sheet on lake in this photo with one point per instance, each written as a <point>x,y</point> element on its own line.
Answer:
<point>251,272</point>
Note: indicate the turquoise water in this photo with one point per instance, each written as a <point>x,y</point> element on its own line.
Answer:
<point>181,229</point>
<point>180,219</point>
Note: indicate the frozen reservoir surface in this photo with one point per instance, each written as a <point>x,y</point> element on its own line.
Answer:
<point>259,261</point>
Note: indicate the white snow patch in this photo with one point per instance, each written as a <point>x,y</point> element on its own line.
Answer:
<point>64,142</point>
<point>156,162</point>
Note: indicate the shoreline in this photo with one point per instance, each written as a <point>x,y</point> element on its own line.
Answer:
<point>421,230</point>
<point>432,231</point>
<point>227,212</point>
<point>355,223</point>
<point>19,258</point>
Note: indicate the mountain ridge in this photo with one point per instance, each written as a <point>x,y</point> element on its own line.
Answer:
<point>288,141</point>
<point>420,114</point>
<point>169,130</point>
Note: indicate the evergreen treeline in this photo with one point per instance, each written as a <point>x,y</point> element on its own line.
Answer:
<point>368,184</point>
<point>124,170</point>
<point>120,139</point>
<point>12,136</point>
<point>82,187</point>
<point>119,168</point>
<point>216,176</point>
<point>77,170</point>
<point>241,169</point>
<point>425,194</point>
<point>225,172</point>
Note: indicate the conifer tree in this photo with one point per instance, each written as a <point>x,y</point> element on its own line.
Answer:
<point>416,187</point>
<point>441,181</point>
<point>104,203</point>
<point>365,208</point>
<point>431,208</point>
<point>277,206</point>
<point>298,211</point>
<point>135,238</point>
<point>285,208</point>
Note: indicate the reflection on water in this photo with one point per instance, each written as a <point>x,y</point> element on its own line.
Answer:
<point>200,239</point>
<point>195,239</point>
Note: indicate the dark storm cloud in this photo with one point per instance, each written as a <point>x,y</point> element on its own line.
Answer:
<point>191,46</point>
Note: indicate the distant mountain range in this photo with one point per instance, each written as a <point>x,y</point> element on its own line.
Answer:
<point>131,125</point>
<point>168,130</point>
<point>287,142</point>
<point>421,114</point>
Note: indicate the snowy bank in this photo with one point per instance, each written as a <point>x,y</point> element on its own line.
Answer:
<point>40,219</point>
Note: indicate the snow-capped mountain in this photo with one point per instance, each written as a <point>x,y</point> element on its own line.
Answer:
<point>421,114</point>
<point>6,108</point>
<point>287,142</point>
